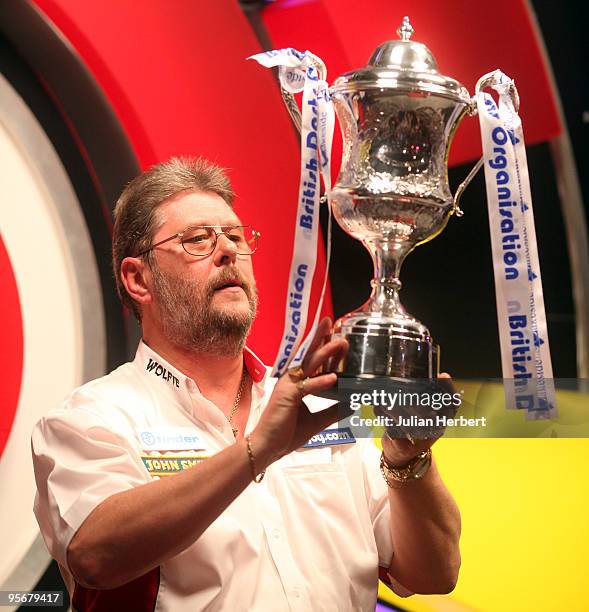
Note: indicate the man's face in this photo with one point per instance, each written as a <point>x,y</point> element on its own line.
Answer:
<point>204,303</point>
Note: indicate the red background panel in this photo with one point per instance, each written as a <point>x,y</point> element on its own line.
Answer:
<point>11,355</point>
<point>468,39</point>
<point>177,77</point>
<point>179,82</point>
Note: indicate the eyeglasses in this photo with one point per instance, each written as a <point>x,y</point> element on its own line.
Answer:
<point>201,241</point>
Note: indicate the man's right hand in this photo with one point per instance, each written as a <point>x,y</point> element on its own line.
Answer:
<point>287,423</point>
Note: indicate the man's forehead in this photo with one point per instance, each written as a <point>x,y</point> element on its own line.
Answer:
<point>196,208</point>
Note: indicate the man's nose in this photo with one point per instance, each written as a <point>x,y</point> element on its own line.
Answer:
<point>226,250</point>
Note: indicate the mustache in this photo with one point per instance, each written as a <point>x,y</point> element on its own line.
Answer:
<point>225,276</point>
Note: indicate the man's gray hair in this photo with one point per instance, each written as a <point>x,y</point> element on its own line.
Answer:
<point>136,218</point>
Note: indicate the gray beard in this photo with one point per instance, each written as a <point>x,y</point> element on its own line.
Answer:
<point>189,320</point>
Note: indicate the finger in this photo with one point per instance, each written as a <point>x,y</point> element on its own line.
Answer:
<point>336,348</point>
<point>312,386</point>
<point>445,382</point>
<point>323,330</point>
<point>333,363</point>
<point>326,337</point>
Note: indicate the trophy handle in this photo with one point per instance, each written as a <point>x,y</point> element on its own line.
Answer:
<point>457,210</point>
<point>495,77</point>
<point>292,107</point>
<point>485,81</point>
<point>288,98</point>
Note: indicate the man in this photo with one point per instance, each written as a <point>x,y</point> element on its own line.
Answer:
<point>181,479</point>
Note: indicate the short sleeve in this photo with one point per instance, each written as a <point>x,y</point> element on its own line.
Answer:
<point>377,495</point>
<point>79,462</point>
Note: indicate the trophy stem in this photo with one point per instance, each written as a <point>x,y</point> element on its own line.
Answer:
<point>383,339</point>
<point>388,257</point>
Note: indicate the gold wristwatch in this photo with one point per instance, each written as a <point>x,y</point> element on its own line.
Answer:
<point>414,470</point>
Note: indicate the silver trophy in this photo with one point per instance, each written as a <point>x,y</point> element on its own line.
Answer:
<point>398,116</point>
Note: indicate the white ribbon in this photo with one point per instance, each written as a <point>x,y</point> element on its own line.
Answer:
<point>525,353</point>
<point>297,73</point>
<point>326,126</point>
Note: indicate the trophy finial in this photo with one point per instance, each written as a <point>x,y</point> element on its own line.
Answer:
<point>405,30</point>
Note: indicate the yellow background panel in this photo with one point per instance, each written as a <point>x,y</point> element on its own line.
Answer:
<point>525,526</point>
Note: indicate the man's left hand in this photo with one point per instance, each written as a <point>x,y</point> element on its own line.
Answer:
<point>399,452</point>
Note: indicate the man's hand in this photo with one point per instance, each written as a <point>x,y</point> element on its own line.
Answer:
<point>399,451</point>
<point>287,423</point>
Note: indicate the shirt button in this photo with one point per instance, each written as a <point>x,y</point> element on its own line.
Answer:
<point>276,534</point>
<point>296,593</point>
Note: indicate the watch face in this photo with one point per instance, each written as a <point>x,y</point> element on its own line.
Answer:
<point>421,466</point>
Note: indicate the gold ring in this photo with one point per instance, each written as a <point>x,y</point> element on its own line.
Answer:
<point>301,385</point>
<point>296,374</point>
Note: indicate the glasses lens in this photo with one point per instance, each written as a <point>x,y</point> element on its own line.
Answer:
<point>199,241</point>
<point>245,239</point>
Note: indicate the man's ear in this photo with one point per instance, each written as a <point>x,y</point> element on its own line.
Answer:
<point>134,274</point>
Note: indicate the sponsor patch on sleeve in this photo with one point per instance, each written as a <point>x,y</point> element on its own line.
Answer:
<point>166,465</point>
<point>331,437</point>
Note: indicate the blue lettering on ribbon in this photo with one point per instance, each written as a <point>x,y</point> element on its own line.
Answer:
<point>310,175</point>
<point>491,108</point>
<point>295,304</point>
<point>511,240</point>
<point>520,349</point>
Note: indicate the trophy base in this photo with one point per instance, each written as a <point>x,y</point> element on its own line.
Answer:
<point>398,347</point>
<point>385,353</point>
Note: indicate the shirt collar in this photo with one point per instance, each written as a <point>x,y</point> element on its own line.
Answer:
<point>163,377</point>
<point>255,367</point>
<point>164,374</point>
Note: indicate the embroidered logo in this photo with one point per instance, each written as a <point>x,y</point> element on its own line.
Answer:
<point>170,438</point>
<point>168,465</point>
<point>155,368</point>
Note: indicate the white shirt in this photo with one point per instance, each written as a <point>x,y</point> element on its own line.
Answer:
<point>310,536</point>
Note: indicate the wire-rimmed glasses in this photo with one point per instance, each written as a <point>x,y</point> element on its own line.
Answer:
<point>201,240</point>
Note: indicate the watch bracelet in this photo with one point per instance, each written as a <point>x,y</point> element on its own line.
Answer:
<point>408,472</point>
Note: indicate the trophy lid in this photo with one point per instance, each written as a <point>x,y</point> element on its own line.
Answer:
<point>405,65</point>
